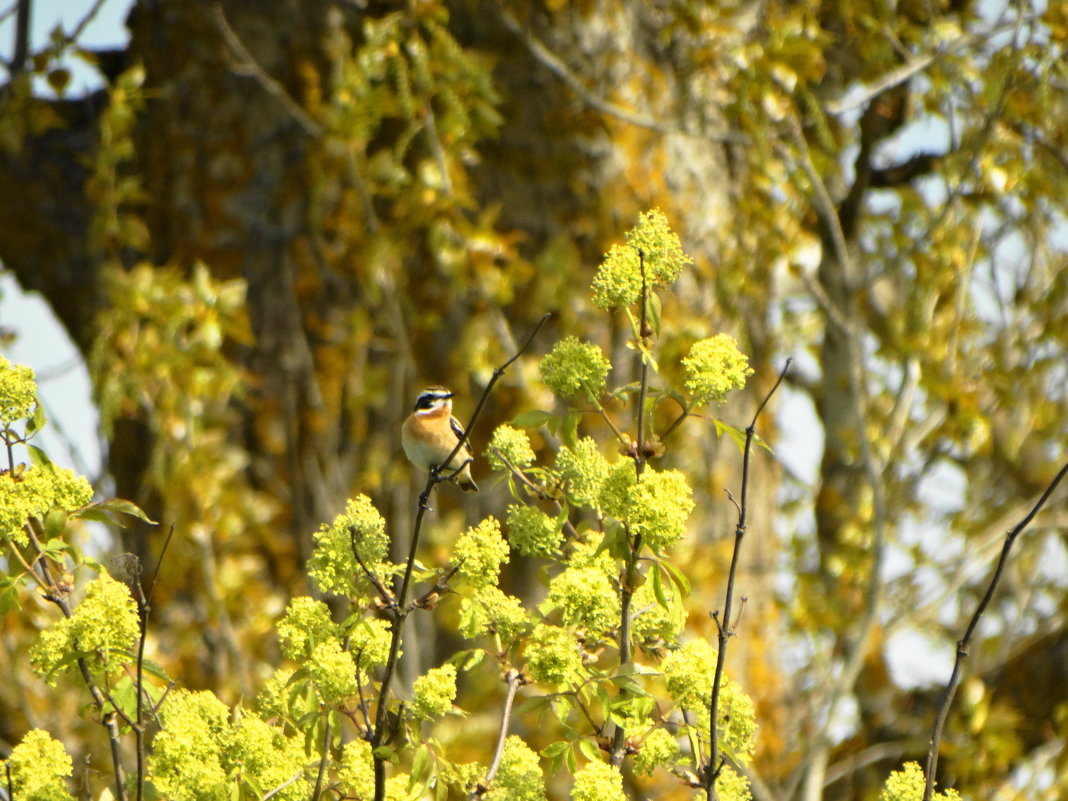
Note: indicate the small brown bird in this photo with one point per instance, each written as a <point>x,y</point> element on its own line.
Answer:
<point>430,434</point>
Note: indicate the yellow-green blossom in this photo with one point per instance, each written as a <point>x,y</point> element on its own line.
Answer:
<point>657,506</point>
<point>909,783</point>
<point>660,505</point>
<point>519,776</point>
<point>689,671</point>
<point>199,755</point>
<point>333,567</point>
<point>659,748</point>
<point>592,554</point>
<point>573,366</point>
<point>39,768</point>
<point>273,700</point>
<point>651,618</point>
<point>490,609</point>
<point>513,444</point>
<point>333,671</point>
<point>434,693</point>
<point>357,773</point>
<point>553,655</point>
<point>264,758</point>
<point>598,781</point>
<point>102,630</point>
<point>187,753</point>
<point>462,777</point>
<point>369,643</point>
<point>619,278</point>
<point>33,491</point>
<point>586,598</point>
<point>480,551</point>
<point>18,392</point>
<point>584,469</point>
<point>714,367</point>
<point>306,623</point>
<point>732,786</point>
<point>532,532</point>
<point>615,496</point>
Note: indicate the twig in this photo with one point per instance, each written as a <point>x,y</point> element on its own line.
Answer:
<point>711,771</point>
<point>497,373</point>
<point>83,23</point>
<point>283,785</point>
<point>536,489</point>
<point>108,719</point>
<point>514,679</point>
<point>815,763</point>
<point>398,611</point>
<point>22,37</point>
<point>855,97</point>
<point>144,601</point>
<point>376,582</point>
<point>965,642</point>
<point>322,760</point>
<point>619,736</point>
<point>557,67</point>
<point>252,67</point>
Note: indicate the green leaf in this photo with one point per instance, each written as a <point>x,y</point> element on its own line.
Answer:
<point>569,431</point>
<point>531,704</point>
<point>532,419</point>
<point>55,523</point>
<point>55,548</point>
<point>652,312</point>
<point>658,587</point>
<point>553,749</point>
<point>677,578</point>
<point>114,506</point>
<point>570,761</point>
<point>441,791</point>
<point>420,763</point>
<point>735,433</point>
<point>37,421</point>
<point>386,753</point>
<point>9,595</point>
<point>650,360</point>
<point>154,669</point>
<point>38,457</point>
<point>589,749</point>
<point>555,753</point>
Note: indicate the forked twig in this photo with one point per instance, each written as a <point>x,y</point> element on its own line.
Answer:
<point>399,611</point>
<point>965,642</point>
<point>514,679</point>
<point>711,771</point>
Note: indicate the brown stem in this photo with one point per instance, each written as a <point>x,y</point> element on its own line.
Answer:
<point>398,610</point>
<point>965,642</point>
<point>710,772</point>
<point>514,679</point>
<point>619,737</point>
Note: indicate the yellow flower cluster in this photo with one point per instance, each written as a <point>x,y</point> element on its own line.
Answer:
<point>101,630</point>
<point>18,392</point>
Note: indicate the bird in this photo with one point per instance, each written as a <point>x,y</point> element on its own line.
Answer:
<point>430,434</point>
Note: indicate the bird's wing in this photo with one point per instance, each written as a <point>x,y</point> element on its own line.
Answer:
<point>458,430</point>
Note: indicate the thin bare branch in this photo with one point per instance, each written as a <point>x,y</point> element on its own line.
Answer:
<point>856,96</point>
<point>619,736</point>
<point>710,771</point>
<point>557,67</point>
<point>398,609</point>
<point>965,642</point>
<point>324,757</point>
<point>249,66</point>
<point>514,679</point>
